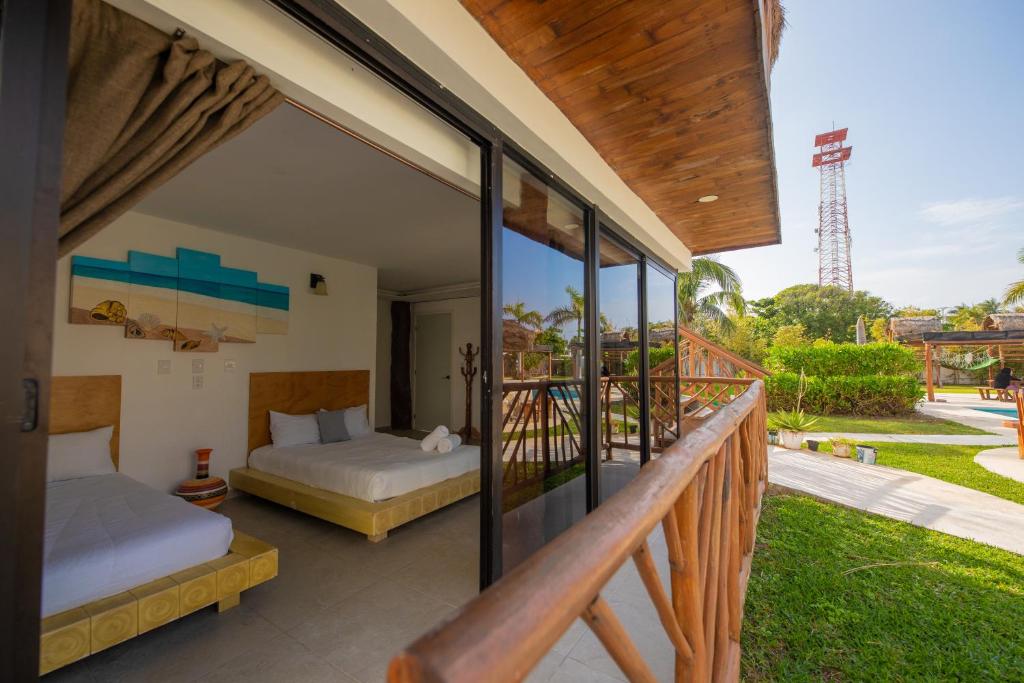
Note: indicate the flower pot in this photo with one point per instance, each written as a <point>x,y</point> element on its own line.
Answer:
<point>867,454</point>
<point>791,440</point>
<point>812,444</point>
<point>841,450</point>
<point>773,438</point>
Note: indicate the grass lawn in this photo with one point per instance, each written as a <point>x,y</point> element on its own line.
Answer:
<point>938,607</point>
<point>955,389</point>
<point>910,424</point>
<point>954,464</point>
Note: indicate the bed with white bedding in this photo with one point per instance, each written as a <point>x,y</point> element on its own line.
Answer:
<point>311,449</point>
<point>373,468</point>
<point>109,533</point>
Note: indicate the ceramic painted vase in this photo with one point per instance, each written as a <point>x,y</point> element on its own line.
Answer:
<point>204,491</point>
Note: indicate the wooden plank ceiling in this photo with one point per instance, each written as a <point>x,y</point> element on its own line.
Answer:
<point>671,93</point>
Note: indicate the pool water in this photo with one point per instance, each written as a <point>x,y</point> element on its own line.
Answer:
<point>1008,412</point>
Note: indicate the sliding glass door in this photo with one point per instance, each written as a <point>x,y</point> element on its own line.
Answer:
<point>621,402</point>
<point>543,409</point>
<point>662,342</point>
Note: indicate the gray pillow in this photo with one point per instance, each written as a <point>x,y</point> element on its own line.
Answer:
<point>332,426</point>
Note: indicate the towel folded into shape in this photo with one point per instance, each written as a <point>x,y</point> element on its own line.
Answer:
<point>449,443</point>
<point>430,441</point>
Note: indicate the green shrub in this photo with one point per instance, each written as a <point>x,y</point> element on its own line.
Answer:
<point>872,395</point>
<point>828,359</point>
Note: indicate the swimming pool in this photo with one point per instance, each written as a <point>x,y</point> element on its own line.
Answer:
<point>1008,412</point>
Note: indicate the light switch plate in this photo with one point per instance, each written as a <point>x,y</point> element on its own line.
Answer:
<point>230,365</point>
<point>163,367</point>
<point>198,366</point>
<point>197,381</point>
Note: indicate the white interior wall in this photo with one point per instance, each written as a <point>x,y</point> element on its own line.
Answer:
<point>163,419</point>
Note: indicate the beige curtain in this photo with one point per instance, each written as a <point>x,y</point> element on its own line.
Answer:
<point>142,105</point>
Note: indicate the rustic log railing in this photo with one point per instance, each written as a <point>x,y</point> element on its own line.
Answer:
<point>705,491</point>
<point>701,357</point>
<point>700,396</point>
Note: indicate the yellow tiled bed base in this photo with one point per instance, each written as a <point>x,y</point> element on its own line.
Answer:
<point>82,631</point>
<point>372,519</point>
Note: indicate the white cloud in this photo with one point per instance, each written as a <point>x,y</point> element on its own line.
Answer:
<point>964,211</point>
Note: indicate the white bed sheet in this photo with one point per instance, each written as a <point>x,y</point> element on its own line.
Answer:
<point>109,533</point>
<point>374,467</point>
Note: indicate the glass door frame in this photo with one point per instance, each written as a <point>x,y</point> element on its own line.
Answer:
<point>334,24</point>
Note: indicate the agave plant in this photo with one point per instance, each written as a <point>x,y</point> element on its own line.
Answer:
<point>793,421</point>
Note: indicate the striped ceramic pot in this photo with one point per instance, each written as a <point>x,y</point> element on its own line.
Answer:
<point>204,491</point>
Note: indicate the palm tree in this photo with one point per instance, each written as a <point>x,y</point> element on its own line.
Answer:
<point>698,305</point>
<point>517,311</point>
<point>1015,292</point>
<point>573,311</point>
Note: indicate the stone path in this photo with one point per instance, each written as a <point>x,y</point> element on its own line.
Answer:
<point>951,439</point>
<point>902,495</point>
<point>1003,461</point>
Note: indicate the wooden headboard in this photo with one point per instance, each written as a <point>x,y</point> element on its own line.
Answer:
<point>83,403</point>
<point>299,393</point>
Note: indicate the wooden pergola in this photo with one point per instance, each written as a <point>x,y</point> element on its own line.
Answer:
<point>1008,345</point>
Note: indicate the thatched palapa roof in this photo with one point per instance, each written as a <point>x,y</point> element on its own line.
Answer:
<point>905,329</point>
<point>517,337</point>
<point>1003,322</point>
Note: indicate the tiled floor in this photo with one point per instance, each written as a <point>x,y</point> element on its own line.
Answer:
<point>341,607</point>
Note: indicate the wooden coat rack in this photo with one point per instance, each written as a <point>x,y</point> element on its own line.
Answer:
<point>468,371</point>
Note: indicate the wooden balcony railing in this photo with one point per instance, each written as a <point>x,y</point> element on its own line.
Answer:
<point>700,357</point>
<point>705,492</point>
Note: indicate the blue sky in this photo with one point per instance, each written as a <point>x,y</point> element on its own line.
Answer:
<point>933,95</point>
<point>538,276</point>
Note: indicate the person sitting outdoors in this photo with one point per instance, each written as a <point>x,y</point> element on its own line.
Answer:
<point>1005,379</point>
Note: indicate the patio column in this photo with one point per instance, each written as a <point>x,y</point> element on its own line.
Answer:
<point>928,371</point>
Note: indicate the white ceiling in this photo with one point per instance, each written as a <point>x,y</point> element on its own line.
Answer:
<point>295,181</point>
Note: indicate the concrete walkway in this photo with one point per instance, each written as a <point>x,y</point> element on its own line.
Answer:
<point>951,439</point>
<point>1003,461</point>
<point>902,495</point>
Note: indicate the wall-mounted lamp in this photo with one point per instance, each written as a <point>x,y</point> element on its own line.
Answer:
<point>318,284</point>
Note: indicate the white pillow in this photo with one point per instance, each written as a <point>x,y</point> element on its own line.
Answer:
<point>293,430</point>
<point>77,455</point>
<point>356,422</point>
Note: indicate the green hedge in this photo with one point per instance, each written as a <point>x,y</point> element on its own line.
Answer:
<point>869,395</point>
<point>828,359</point>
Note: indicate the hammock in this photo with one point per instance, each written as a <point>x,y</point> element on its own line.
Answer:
<point>970,362</point>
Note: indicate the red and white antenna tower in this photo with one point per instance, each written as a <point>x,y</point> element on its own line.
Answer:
<point>834,267</point>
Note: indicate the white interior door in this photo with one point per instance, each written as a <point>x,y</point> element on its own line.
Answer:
<point>432,403</point>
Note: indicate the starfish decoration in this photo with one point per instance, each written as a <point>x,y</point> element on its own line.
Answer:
<point>216,332</point>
